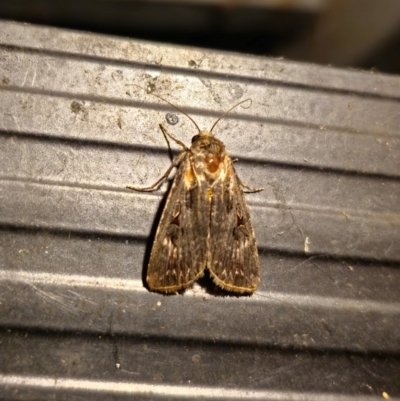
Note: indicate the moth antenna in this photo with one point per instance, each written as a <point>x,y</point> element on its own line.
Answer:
<point>175,107</point>
<point>223,115</point>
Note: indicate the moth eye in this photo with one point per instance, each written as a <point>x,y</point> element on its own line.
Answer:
<point>195,138</point>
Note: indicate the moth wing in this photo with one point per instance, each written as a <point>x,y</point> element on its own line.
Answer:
<point>178,256</point>
<point>233,257</point>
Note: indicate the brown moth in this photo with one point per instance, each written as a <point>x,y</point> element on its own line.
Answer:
<point>205,223</point>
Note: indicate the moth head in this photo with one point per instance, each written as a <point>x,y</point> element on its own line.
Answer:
<point>207,149</point>
<point>201,135</point>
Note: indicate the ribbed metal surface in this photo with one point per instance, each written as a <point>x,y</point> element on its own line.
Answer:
<point>75,318</point>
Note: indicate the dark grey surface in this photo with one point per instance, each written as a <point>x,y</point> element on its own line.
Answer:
<point>76,321</point>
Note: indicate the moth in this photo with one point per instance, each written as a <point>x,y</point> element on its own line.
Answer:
<point>205,223</point>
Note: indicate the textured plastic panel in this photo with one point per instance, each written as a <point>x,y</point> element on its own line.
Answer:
<point>76,321</point>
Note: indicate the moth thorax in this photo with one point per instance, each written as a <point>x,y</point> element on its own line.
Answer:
<point>214,156</point>
<point>212,161</point>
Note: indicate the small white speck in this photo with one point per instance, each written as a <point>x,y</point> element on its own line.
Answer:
<point>306,245</point>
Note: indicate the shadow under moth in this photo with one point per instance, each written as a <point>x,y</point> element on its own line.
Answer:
<point>205,223</point>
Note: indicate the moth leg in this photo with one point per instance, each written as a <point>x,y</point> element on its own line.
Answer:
<point>250,189</point>
<point>166,133</point>
<point>176,162</point>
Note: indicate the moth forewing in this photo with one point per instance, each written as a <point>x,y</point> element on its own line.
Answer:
<point>176,259</point>
<point>205,222</point>
<point>233,257</point>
